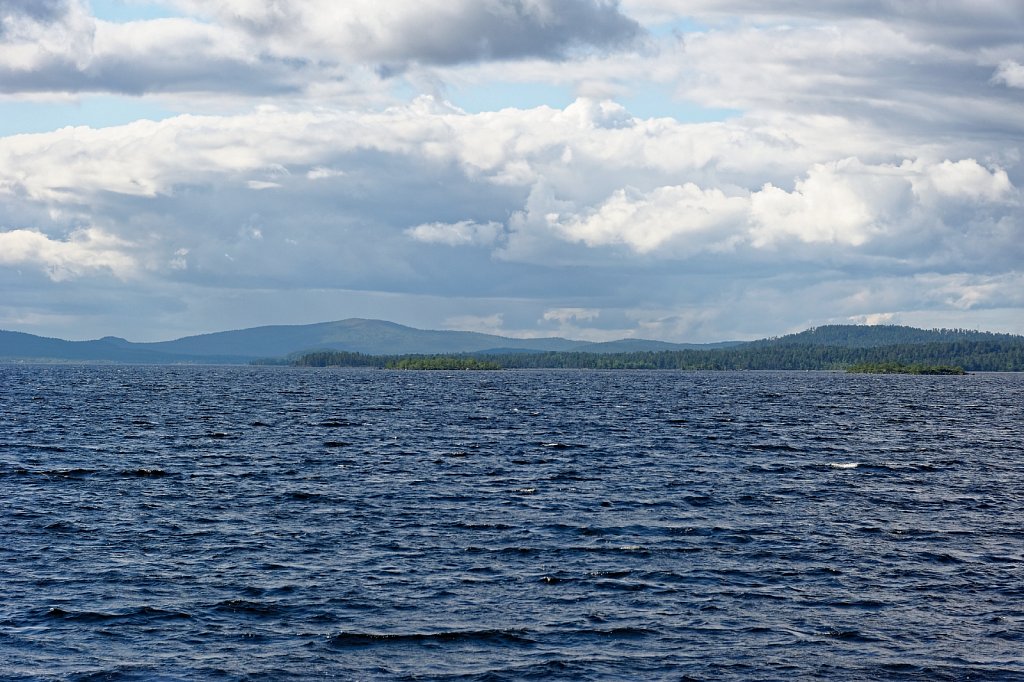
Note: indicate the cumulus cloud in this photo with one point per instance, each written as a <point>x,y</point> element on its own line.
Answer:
<point>84,252</point>
<point>699,218</point>
<point>965,179</point>
<point>508,148</point>
<point>554,178</point>
<point>868,167</point>
<point>845,203</point>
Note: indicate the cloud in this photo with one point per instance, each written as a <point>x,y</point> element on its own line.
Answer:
<point>567,315</point>
<point>966,179</point>
<point>260,48</point>
<point>845,204</point>
<point>540,186</point>
<point>459,30</point>
<point>34,33</point>
<point>35,10</point>
<point>1009,73</point>
<point>646,222</point>
<point>961,22</point>
<point>462,233</point>
<point>84,252</point>
<point>322,173</point>
<point>73,52</point>
<point>677,230</point>
<point>262,184</point>
<point>873,319</point>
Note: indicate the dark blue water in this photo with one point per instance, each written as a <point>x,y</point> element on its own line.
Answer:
<point>180,523</point>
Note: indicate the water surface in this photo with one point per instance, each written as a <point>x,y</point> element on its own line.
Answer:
<point>237,523</point>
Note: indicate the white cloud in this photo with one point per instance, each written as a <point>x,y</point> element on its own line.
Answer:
<point>965,179</point>
<point>872,319</point>
<point>262,184</point>
<point>567,315</point>
<point>843,203</point>
<point>462,233</point>
<point>545,188</point>
<point>700,219</point>
<point>180,260</point>
<point>84,252</point>
<point>34,33</point>
<point>870,148</point>
<point>322,173</point>
<point>1009,73</point>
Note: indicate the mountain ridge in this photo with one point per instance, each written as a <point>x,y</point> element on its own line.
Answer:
<point>380,337</point>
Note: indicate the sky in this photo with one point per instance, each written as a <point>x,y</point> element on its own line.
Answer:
<point>685,170</point>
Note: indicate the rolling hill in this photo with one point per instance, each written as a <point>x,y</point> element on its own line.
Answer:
<point>355,335</point>
<point>381,338</point>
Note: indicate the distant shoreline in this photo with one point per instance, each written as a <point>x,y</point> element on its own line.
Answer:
<point>377,343</point>
<point>894,368</point>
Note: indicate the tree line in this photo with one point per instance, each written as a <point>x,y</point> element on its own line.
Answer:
<point>998,354</point>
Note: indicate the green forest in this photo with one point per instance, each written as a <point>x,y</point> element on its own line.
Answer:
<point>897,368</point>
<point>995,355</point>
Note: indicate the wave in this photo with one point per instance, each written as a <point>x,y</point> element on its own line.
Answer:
<point>147,612</point>
<point>144,473</point>
<point>337,423</point>
<point>251,608</point>
<point>352,639</point>
<point>76,472</point>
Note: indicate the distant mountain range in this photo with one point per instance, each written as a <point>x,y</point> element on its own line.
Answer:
<point>377,337</point>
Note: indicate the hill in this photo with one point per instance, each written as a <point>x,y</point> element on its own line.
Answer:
<point>873,336</point>
<point>352,335</point>
<point>28,347</point>
<point>820,347</point>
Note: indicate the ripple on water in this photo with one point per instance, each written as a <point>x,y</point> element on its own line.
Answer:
<point>239,523</point>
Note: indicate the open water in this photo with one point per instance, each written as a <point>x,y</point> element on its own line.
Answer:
<point>243,523</point>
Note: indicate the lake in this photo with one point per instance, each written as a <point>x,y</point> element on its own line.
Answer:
<point>237,523</point>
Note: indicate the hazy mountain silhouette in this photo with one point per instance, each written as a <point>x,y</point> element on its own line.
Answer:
<point>378,337</point>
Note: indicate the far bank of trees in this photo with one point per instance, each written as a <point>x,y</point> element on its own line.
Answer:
<point>896,368</point>
<point>996,354</point>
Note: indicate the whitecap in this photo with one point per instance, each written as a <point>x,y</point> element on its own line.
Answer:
<point>844,465</point>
